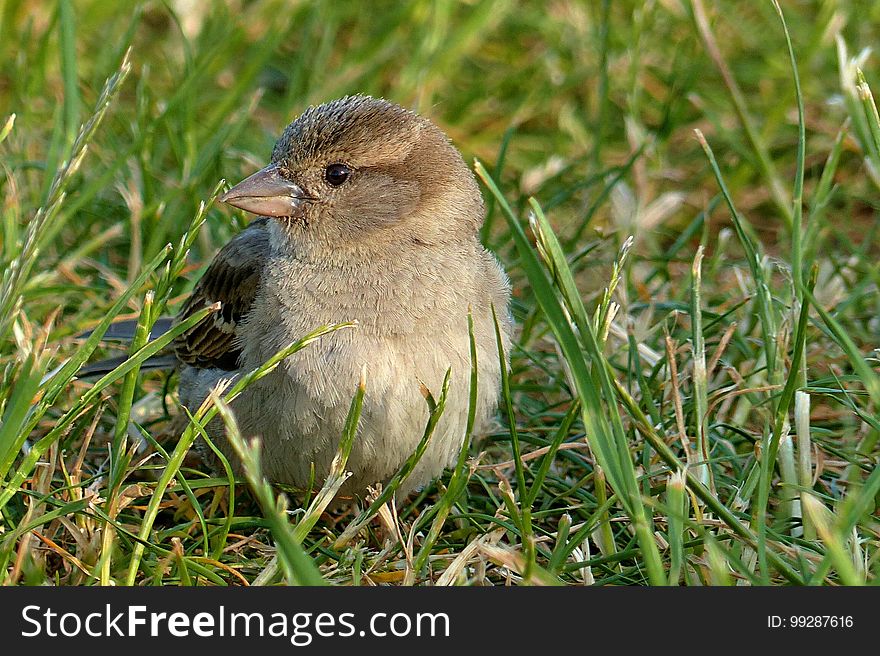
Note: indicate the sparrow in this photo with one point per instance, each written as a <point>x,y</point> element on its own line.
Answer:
<point>367,214</point>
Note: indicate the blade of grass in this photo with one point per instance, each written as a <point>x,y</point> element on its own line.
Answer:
<point>298,568</point>
<point>608,442</point>
<point>435,412</point>
<point>18,270</point>
<point>458,481</point>
<point>204,415</point>
<point>765,162</point>
<point>765,305</point>
<point>677,513</point>
<point>337,475</point>
<point>67,41</point>
<point>523,515</point>
<point>703,471</point>
<point>12,435</point>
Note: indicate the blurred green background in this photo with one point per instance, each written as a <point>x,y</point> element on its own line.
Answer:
<point>590,107</point>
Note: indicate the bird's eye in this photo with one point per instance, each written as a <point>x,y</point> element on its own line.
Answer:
<point>336,174</point>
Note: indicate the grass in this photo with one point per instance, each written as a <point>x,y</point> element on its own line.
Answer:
<point>684,196</point>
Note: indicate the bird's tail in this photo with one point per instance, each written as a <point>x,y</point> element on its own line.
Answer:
<point>103,367</point>
<point>123,331</point>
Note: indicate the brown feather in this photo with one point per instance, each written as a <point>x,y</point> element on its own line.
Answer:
<point>232,279</point>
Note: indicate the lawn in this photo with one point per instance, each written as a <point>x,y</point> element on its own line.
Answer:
<point>683,193</point>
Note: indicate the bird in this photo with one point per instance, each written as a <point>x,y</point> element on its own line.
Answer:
<point>366,213</point>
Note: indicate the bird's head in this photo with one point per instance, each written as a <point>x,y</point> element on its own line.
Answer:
<point>361,169</point>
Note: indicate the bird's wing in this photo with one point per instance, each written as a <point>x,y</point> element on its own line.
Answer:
<point>232,280</point>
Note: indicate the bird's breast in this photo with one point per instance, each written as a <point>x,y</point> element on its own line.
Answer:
<point>406,327</point>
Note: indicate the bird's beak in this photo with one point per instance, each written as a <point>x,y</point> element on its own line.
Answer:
<point>267,193</point>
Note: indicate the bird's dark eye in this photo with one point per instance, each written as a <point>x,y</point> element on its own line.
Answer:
<point>336,174</point>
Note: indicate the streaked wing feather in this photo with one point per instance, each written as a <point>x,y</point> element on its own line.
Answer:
<point>232,279</point>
